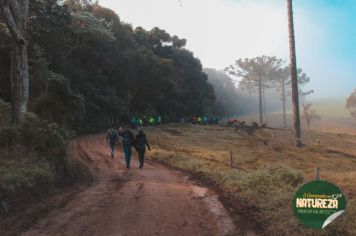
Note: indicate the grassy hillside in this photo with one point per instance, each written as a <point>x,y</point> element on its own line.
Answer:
<point>267,170</point>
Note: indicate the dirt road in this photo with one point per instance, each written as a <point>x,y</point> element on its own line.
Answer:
<point>149,201</point>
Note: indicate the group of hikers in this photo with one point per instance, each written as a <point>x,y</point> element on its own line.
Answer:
<point>235,122</point>
<point>199,120</point>
<point>153,120</point>
<point>204,120</point>
<point>139,142</point>
<point>138,122</point>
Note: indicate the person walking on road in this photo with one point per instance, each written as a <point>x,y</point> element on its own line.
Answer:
<point>127,143</point>
<point>140,145</point>
<point>111,139</point>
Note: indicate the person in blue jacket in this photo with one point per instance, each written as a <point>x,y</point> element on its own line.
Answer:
<point>127,143</point>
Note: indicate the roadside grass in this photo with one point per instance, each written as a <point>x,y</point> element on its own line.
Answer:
<point>267,170</point>
<point>21,171</point>
<point>34,160</point>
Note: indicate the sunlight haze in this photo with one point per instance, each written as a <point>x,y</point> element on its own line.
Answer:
<point>221,31</point>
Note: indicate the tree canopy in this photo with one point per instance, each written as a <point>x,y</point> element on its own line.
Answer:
<point>227,100</point>
<point>88,68</point>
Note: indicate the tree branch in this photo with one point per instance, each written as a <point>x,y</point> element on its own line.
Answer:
<point>24,16</point>
<point>76,46</point>
<point>11,24</point>
<point>15,10</point>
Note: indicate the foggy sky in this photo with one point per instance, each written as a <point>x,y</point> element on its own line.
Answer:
<point>221,31</point>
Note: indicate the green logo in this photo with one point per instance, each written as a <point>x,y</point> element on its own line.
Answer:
<point>318,203</point>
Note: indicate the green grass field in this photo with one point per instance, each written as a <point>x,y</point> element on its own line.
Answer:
<point>267,170</point>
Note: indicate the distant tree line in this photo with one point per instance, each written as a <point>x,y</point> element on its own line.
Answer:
<point>266,72</point>
<point>228,100</point>
<point>87,68</point>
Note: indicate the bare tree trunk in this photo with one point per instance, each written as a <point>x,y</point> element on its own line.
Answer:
<point>19,81</point>
<point>264,100</point>
<point>294,80</point>
<point>15,14</point>
<point>283,98</point>
<point>260,99</point>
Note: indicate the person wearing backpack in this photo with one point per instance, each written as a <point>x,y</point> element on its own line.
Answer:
<point>140,146</point>
<point>111,138</point>
<point>127,142</point>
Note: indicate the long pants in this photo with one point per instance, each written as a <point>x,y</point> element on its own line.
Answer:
<point>141,157</point>
<point>127,151</point>
<point>112,147</point>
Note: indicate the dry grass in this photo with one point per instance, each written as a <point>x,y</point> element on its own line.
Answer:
<point>328,123</point>
<point>267,169</point>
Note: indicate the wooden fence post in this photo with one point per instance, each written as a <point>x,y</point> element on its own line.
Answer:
<point>231,164</point>
<point>317,173</point>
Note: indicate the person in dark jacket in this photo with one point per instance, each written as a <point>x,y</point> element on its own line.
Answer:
<point>111,138</point>
<point>140,145</point>
<point>127,142</point>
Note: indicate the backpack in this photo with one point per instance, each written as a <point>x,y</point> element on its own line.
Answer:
<point>113,134</point>
<point>127,139</point>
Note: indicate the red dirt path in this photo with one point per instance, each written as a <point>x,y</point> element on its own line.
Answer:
<point>149,201</point>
